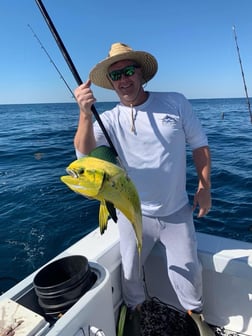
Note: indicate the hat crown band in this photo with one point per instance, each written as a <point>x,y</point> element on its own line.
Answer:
<point>119,48</point>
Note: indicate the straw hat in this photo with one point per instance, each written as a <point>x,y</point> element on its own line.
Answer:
<point>119,52</point>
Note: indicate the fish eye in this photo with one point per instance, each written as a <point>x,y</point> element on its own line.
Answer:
<point>81,171</point>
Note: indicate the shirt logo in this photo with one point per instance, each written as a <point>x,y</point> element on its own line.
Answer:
<point>169,119</point>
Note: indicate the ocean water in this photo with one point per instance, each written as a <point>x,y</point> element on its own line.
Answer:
<point>40,216</point>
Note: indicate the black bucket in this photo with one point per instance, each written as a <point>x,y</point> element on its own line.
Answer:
<point>61,283</point>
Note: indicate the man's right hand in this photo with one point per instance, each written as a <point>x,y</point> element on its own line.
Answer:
<point>84,97</point>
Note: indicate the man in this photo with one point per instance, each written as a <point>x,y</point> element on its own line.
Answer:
<point>149,131</point>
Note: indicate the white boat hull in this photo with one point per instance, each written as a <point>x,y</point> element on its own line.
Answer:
<point>227,275</point>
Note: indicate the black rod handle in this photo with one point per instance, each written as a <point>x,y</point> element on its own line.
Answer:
<point>72,67</point>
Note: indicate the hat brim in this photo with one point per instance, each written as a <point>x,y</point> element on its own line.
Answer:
<point>99,74</point>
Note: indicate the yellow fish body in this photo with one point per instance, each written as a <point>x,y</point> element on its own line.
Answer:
<point>109,184</point>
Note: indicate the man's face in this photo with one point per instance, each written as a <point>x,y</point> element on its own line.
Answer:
<point>127,86</point>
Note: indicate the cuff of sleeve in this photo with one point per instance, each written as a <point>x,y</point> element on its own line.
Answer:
<point>79,154</point>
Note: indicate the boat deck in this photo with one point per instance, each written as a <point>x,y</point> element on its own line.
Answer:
<point>158,319</point>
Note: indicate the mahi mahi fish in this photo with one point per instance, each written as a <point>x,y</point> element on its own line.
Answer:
<point>105,181</point>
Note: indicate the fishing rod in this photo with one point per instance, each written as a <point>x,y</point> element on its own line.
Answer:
<point>242,72</point>
<point>53,63</point>
<point>72,68</point>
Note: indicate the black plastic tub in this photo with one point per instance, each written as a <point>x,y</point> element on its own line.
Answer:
<point>60,284</point>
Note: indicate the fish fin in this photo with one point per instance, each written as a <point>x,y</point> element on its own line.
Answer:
<point>103,217</point>
<point>104,153</point>
<point>112,211</point>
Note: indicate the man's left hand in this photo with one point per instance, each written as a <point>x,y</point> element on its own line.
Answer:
<point>202,198</point>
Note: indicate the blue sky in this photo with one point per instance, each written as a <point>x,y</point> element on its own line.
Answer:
<point>192,40</point>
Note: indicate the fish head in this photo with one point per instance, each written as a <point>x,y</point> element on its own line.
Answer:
<point>83,179</point>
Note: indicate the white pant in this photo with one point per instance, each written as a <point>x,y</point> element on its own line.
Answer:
<point>177,233</point>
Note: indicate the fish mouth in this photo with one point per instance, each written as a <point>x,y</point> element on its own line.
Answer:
<point>72,173</point>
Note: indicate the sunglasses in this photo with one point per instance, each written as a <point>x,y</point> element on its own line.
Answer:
<point>127,71</point>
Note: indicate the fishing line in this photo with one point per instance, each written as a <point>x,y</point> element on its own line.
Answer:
<point>51,60</point>
<point>242,72</point>
<point>72,68</point>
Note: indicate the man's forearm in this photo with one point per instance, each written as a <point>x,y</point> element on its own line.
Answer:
<point>202,161</point>
<point>84,140</point>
